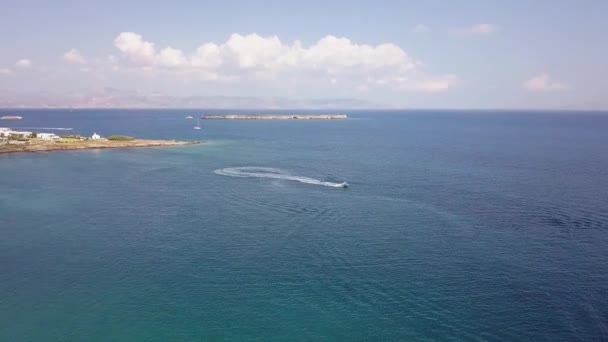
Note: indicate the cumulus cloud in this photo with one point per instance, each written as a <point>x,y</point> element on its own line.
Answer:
<point>475,30</point>
<point>252,56</point>
<point>421,29</point>
<point>247,52</point>
<point>7,72</point>
<point>134,47</point>
<point>23,63</point>
<point>73,56</point>
<point>544,82</point>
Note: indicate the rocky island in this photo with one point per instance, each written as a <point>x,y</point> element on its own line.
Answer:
<point>275,116</point>
<point>13,142</point>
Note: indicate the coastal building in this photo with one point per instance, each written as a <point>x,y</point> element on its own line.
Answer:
<point>48,136</point>
<point>95,136</point>
<point>18,134</point>
<point>4,133</point>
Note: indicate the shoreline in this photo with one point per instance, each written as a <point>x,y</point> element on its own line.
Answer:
<point>90,145</point>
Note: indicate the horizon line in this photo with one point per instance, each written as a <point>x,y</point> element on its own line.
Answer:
<point>392,109</point>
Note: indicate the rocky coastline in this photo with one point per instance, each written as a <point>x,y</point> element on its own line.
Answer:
<point>44,146</point>
<point>274,116</point>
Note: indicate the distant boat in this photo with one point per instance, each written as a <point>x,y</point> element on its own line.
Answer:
<point>198,124</point>
<point>189,117</point>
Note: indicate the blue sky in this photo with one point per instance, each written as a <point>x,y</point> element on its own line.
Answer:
<point>431,54</point>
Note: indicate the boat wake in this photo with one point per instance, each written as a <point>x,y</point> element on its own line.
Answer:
<point>269,172</point>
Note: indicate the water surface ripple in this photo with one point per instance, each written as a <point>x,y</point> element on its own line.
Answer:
<point>460,226</point>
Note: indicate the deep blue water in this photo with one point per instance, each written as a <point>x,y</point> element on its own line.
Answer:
<point>456,226</point>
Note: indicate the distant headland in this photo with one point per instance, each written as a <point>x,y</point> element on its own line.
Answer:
<point>16,141</point>
<point>274,116</point>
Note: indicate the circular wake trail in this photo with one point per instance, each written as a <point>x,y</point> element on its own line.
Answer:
<point>270,172</point>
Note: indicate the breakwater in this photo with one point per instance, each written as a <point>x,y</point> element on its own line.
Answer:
<point>275,116</point>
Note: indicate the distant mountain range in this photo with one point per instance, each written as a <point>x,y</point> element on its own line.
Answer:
<point>118,98</point>
<point>121,98</point>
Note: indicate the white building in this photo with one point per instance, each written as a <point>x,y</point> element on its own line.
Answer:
<point>3,134</point>
<point>48,136</point>
<point>21,134</point>
<point>95,136</point>
<point>7,132</point>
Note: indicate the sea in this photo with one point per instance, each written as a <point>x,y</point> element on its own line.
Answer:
<point>450,226</point>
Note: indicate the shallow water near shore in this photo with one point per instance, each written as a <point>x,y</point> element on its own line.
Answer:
<point>455,226</point>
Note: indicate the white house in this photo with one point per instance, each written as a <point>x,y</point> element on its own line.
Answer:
<point>47,136</point>
<point>4,133</point>
<point>19,133</point>
<point>7,132</point>
<point>95,136</point>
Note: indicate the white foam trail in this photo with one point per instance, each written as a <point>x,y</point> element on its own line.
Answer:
<point>270,172</point>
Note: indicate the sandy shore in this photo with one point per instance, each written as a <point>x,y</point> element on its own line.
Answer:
<point>44,146</point>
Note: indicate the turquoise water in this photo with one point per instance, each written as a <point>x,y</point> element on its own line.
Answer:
<point>455,226</point>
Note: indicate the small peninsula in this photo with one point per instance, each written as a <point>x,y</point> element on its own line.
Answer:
<point>275,116</point>
<point>13,142</point>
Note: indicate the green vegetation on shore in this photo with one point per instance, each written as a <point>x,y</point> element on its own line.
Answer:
<point>120,138</point>
<point>16,141</point>
<point>35,145</point>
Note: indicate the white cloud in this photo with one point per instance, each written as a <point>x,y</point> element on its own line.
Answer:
<point>23,63</point>
<point>73,56</point>
<point>171,57</point>
<point>544,82</point>
<point>133,46</point>
<point>257,57</point>
<point>476,30</point>
<point>421,29</point>
<point>7,72</point>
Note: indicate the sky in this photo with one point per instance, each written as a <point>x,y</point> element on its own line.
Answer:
<point>396,54</point>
